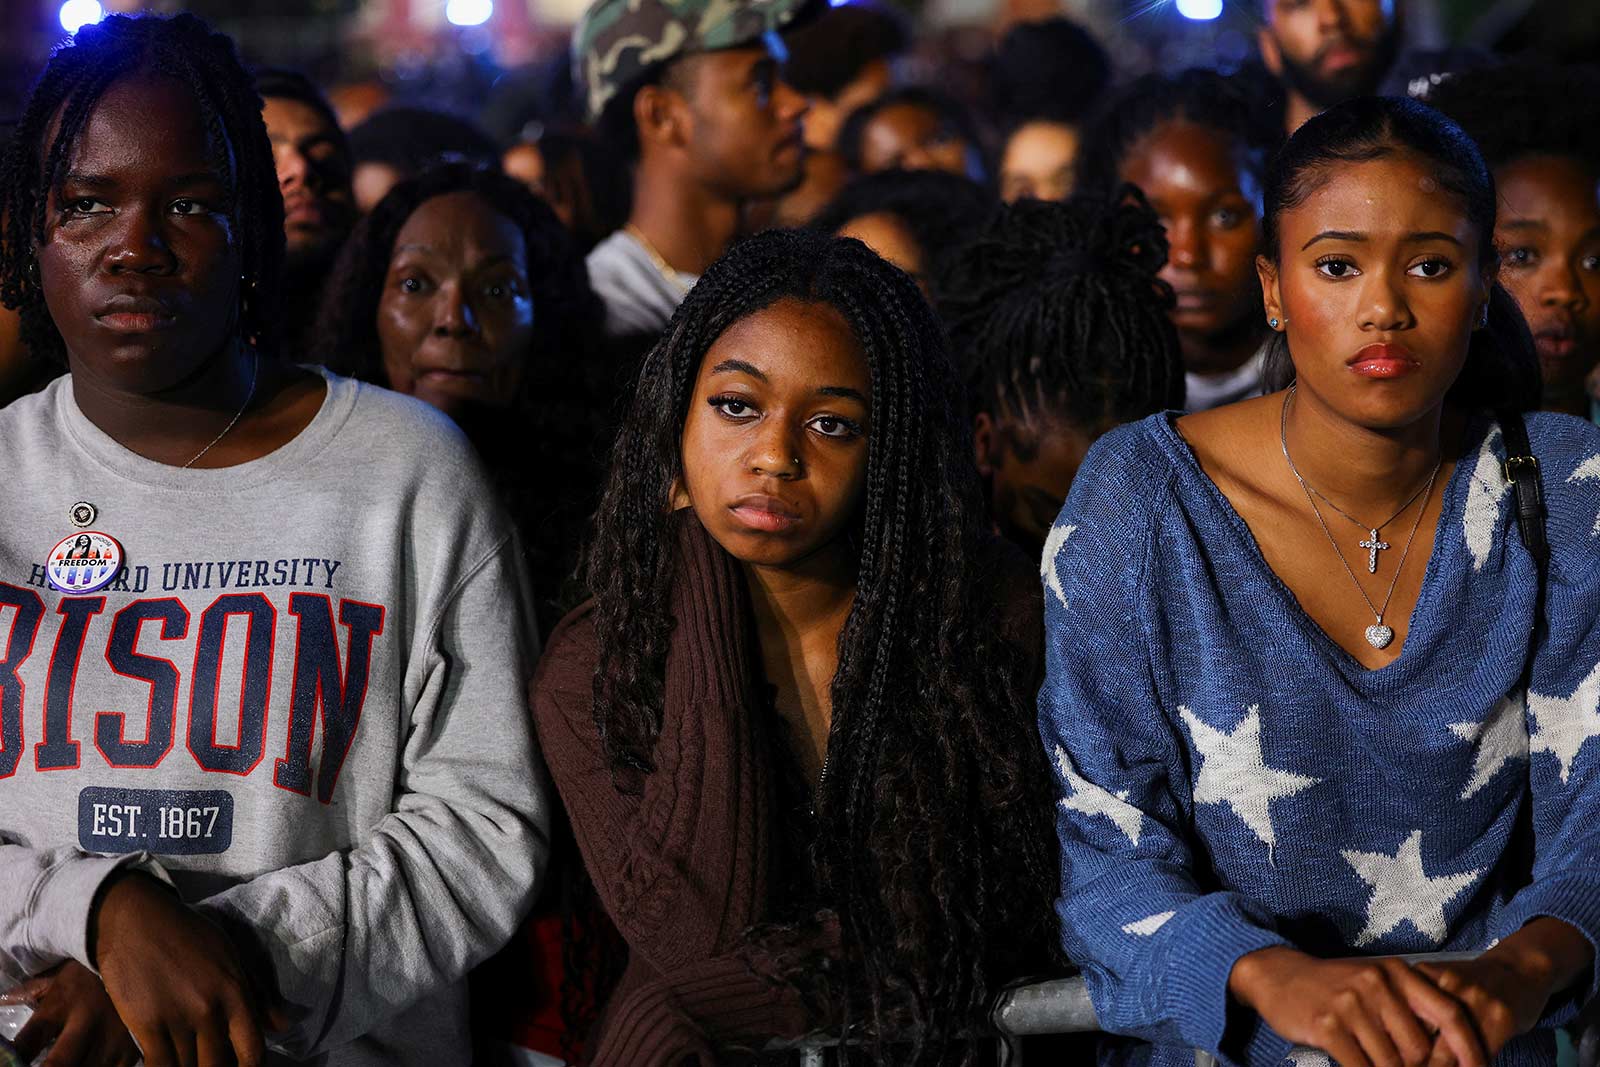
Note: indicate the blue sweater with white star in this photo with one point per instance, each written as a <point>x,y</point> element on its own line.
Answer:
<point>1230,779</point>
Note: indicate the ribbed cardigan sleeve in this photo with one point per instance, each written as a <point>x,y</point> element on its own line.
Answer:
<point>1154,946</point>
<point>680,858</point>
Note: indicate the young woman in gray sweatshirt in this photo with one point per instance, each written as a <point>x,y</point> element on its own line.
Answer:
<point>267,777</point>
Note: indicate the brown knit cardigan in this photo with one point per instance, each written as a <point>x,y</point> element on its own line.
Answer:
<point>684,859</point>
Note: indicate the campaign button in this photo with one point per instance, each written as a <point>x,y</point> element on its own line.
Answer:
<point>84,562</point>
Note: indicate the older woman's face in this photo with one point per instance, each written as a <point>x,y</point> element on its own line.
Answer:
<point>455,319</point>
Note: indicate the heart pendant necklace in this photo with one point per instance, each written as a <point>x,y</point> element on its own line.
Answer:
<point>1378,635</point>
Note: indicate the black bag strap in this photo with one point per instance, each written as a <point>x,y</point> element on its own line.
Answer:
<point>1522,471</point>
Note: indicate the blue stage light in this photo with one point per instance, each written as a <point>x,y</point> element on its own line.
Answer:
<point>1200,10</point>
<point>468,12</point>
<point>76,14</point>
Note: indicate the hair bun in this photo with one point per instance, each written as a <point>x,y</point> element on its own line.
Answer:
<point>1122,238</point>
<point>1135,237</point>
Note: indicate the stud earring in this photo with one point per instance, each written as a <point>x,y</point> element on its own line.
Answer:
<point>1273,323</point>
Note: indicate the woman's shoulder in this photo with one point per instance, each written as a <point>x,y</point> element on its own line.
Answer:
<point>1125,477</point>
<point>410,431</point>
<point>412,449</point>
<point>1568,451</point>
<point>26,415</point>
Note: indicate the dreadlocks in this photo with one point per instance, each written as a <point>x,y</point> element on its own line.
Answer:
<point>934,817</point>
<point>1056,311</point>
<point>1202,97</point>
<point>79,73</point>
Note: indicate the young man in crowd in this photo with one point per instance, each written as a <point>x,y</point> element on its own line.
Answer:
<point>1327,51</point>
<point>691,92</point>
<point>312,156</point>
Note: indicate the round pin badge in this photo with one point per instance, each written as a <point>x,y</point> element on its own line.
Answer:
<point>84,562</point>
<point>83,514</point>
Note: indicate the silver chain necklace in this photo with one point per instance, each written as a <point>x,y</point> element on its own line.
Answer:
<point>1378,635</point>
<point>1373,544</point>
<point>255,372</point>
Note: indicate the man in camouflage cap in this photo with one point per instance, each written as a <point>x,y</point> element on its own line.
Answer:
<point>690,91</point>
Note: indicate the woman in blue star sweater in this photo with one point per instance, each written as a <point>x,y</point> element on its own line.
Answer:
<point>1304,704</point>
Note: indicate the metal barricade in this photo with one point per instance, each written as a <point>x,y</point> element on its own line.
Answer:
<point>1062,1006</point>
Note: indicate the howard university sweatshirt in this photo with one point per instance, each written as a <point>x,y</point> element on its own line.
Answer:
<point>1231,779</point>
<point>302,702</point>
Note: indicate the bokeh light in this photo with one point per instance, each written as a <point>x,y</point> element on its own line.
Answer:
<point>468,12</point>
<point>1200,10</point>
<point>76,14</point>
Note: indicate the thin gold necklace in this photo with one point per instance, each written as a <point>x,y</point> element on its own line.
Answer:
<point>255,372</point>
<point>663,268</point>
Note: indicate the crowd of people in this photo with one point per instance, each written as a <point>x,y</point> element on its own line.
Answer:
<point>786,551</point>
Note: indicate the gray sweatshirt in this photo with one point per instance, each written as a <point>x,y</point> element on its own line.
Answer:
<point>302,702</point>
<point>640,296</point>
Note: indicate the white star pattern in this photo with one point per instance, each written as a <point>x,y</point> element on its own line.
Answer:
<point>1149,925</point>
<point>1089,799</point>
<point>1486,489</point>
<point>1588,470</point>
<point>1502,739</point>
<point>1402,891</point>
<point>1053,544</point>
<point>1233,772</point>
<point>1561,725</point>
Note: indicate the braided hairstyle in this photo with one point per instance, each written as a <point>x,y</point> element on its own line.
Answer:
<point>1202,97</point>
<point>1056,313</point>
<point>935,848</point>
<point>183,48</point>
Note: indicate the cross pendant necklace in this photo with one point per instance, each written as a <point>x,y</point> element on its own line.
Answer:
<point>1373,547</point>
<point>1378,635</point>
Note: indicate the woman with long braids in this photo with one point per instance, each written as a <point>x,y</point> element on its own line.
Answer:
<point>1323,672</point>
<point>793,729</point>
<point>1058,317</point>
<point>266,772</point>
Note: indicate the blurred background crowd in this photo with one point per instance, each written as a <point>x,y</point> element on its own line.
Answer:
<point>401,124</point>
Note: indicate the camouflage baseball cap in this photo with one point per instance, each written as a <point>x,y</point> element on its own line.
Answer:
<point>617,41</point>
